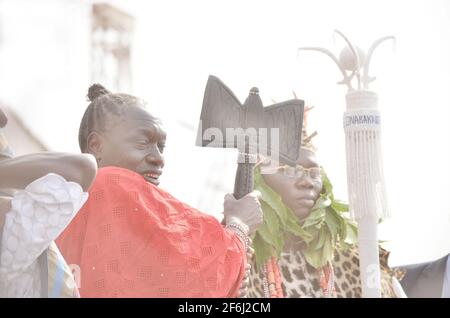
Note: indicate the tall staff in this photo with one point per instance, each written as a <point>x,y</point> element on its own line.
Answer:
<point>365,177</point>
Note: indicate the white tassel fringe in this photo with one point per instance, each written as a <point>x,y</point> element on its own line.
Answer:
<point>365,176</point>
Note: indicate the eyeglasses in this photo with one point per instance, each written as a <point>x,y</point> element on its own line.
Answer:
<point>296,172</point>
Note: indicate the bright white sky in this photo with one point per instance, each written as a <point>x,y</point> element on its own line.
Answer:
<point>250,43</point>
<point>254,43</point>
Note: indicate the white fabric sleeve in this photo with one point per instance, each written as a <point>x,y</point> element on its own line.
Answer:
<point>38,215</point>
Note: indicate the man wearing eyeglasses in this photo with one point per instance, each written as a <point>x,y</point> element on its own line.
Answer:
<point>298,187</point>
<point>311,262</point>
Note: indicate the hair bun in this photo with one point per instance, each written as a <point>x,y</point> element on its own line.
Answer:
<point>95,91</point>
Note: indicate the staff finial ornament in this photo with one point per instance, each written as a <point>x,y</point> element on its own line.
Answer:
<point>352,61</point>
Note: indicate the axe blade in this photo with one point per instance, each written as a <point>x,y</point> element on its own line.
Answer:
<point>287,117</point>
<point>222,110</point>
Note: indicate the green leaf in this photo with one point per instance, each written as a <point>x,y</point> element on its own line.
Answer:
<point>313,258</point>
<point>328,225</point>
<point>342,228</point>
<point>327,251</point>
<point>270,197</point>
<point>316,216</point>
<point>283,215</point>
<point>327,186</point>
<point>265,234</point>
<point>322,202</point>
<point>271,232</point>
<point>296,229</point>
<point>321,238</point>
<point>339,206</point>
<point>352,234</point>
<point>263,250</point>
<point>332,221</point>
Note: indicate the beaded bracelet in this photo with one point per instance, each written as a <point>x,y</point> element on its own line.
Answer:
<point>240,232</point>
<point>241,227</point>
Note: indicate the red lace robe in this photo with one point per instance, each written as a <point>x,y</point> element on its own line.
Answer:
<point>132,239</point>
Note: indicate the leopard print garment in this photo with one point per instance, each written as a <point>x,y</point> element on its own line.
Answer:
<point>299,279</point>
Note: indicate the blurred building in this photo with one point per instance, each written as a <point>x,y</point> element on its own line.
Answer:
<point>50,52</point>
<point>111,36</point>
<point>20,138</point>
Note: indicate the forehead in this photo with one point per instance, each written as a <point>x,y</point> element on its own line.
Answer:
<point>307,158</point>
<point>139,121</point>
<point>139,113</point>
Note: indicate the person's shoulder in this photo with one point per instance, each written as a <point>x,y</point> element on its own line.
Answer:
<point>414,271</point>
<point>411,271</point>
<point>114,175</point>
<point>115,170</point>
<point>418,266</point>
<point>121,179</point>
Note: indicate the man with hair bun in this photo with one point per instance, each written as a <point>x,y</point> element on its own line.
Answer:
<point>133,239</point>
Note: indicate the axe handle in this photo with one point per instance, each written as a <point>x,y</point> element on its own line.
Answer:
<point>243,184</point>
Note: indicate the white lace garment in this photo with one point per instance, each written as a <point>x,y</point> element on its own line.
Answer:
<point>37,217</point>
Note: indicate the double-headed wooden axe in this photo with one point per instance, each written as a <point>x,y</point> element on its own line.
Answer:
<point>273,131</point>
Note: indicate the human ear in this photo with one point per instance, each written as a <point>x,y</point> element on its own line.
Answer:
<point>95,142</point>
